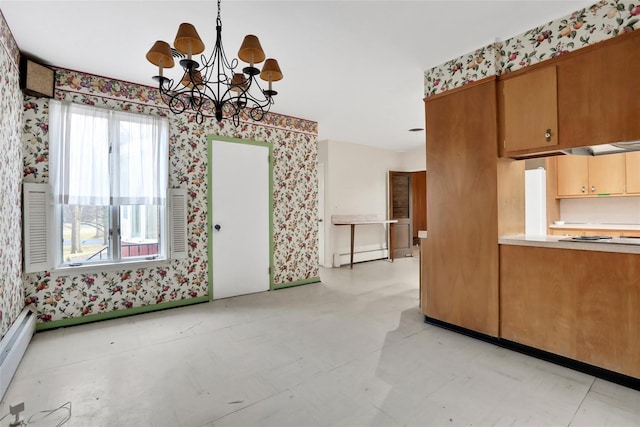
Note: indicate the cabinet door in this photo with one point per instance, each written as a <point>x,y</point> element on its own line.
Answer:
<point>598,91</point>
<point>579,304</point>
<point>573,175</point>
<point>633,172</point>
<point>606,174</point>
<point>530,116</point>
<point>461,252</point>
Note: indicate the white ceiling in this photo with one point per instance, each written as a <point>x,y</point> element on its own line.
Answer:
<point>355,67</point>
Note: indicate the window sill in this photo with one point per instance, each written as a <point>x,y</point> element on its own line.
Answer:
<point>108,267</point>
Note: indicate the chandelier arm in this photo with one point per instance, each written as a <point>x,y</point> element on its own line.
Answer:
<point>257,113</point>
<point>170,96</point>
<point>214,86</point>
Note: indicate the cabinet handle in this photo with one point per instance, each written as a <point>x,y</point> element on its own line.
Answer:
<point>547,135</point>
<point>584,189</point>
<point>593,188</point>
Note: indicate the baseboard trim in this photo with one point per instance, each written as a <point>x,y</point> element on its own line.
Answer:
<point>119,313</point>
<point>147,309</point>
<point>596,371</point>
<point>296,283</point>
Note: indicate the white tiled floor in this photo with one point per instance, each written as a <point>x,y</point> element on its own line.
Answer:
<point>351,351</point>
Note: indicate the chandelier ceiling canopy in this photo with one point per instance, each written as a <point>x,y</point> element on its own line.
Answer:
<point>214,85</point>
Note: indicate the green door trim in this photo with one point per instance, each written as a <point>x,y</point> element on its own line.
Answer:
<point>210,139</point>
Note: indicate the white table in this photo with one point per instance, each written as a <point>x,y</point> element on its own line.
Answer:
<point>354,220</point>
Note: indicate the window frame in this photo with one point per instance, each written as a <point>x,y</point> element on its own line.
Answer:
<point>171,229</point>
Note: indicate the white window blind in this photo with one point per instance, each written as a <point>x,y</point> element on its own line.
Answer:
<point>36,221</point>
<point>178,227</point>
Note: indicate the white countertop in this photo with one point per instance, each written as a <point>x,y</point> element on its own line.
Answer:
<point>360,219</point>
<point>620,245</point>
<point>593,226</point>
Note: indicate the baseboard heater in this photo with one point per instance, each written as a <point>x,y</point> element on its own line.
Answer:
<point>359,256</point>
<point>13,346</point>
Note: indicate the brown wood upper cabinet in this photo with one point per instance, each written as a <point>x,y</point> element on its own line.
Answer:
<point>598,89</point>
<point>585,97</point>
<point>573,176</point>
<point>591,176</point>
<point>529,116</point>
<point>633,172</point>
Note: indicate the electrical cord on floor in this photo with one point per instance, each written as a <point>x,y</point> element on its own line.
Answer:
<point>15,410</point>
<point>44,414</point>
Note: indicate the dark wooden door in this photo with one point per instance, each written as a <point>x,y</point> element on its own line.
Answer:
<point>419,202</point>
<point>400,204</point>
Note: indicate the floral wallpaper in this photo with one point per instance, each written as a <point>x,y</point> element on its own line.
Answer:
<point>601,21</point>
<point>460,71</point>
<point>11,291</point>
<point>294,199</point>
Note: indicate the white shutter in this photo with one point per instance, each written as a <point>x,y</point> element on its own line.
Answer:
<point>36,214</point>
<point>178,223</point>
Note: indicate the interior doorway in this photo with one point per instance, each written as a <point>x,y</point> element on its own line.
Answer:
<point>400,209</point>
<point>407,205</point>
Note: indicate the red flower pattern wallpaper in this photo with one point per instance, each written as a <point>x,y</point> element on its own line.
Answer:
<point>600,21</point>
<point>11,292</point>
<point>55,297</point>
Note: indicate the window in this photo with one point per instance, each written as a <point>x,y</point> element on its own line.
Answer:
<point>108,175</point>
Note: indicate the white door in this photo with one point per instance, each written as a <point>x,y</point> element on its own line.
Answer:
<point>239,218</point>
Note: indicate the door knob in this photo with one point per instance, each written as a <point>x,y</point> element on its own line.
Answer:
<point>217,227</point>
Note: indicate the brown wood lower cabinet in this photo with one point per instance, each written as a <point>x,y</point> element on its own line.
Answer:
<point>584,305</point>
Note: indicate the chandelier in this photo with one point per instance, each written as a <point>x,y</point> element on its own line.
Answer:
<point>214,84</point>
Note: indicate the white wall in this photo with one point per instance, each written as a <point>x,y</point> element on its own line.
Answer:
<point>414,160</point>
<point>355,183</point>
